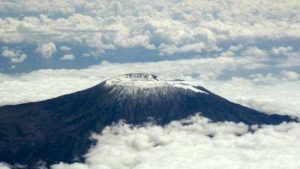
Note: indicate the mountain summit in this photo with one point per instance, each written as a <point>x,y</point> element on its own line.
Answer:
<point>59,129</point>
<point>148,85</point>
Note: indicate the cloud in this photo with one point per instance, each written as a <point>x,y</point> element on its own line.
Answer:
<point>282,50</point>
<point>46,50</point>
<point>68,57</point>
<point>44,6</point>
<point>15,56</point>
<point>193,142</point>
<point>277,96</point>
<point>255,53</point>
<point>290,75</point>
<point>169,27</point>
<point>4,166</point>
<point>284,75</point>
<point>65,48</point>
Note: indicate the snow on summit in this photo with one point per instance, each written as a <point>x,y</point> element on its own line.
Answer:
<point>146,81</point>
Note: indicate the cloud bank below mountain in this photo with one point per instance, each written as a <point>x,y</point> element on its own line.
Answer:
<point>193,143</point>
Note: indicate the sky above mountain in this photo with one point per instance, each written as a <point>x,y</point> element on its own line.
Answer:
<point>247,51</point>
<point>260,36</point>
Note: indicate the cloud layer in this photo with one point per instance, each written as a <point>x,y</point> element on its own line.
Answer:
<point>262,31</point>
<point>199,144</point>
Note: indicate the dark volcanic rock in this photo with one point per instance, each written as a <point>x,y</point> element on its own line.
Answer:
<point>58,129</point>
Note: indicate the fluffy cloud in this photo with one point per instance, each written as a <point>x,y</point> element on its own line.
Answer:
<point>65,48</point>
<point>46,50</point>
<point>273,78</point>
<point>4,166</point>
<point>277,96</point>
<point>43,6</point>
<point>68,57</point>
<point>169,27</point>
<point>282,50</point>
<point>290,75</point>
<point>190,143</point>
<point>15,56</point>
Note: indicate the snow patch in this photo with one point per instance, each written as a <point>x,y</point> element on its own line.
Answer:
<point>146,81</point>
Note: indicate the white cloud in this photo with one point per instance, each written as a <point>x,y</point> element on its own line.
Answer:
<point>169,27</point>
<point>46,50</point>
<point>68,57</point>
<point>282,50</point>
<point>199,144</point>
<point>271,78</point>
<point>277,96</point>
<point>72,166</point>
<point>290,75</point>
<point>255,53</point>
<point>4,166</point>
<point>65,48</point>
<point>15,56</point>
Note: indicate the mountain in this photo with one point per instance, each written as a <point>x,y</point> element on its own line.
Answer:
<point>58,129</point>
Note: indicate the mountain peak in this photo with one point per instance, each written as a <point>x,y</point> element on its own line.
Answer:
<point>135,77</point>
<point>145,81</point>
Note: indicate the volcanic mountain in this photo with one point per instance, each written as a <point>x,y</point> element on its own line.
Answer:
<point>59,129</point>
